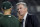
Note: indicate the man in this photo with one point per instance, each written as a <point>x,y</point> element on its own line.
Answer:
<point>8,20</point>
<point>29,20</point>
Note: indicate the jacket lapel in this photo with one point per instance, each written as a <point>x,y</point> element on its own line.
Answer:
<point>26,21</point>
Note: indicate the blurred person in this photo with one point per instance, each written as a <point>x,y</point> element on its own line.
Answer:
<point>28,20</point>
<point>8,20</point>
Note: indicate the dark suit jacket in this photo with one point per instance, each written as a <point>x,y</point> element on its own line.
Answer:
<point>31,21</point>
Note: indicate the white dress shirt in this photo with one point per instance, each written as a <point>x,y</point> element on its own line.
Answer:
<point>24,19</point>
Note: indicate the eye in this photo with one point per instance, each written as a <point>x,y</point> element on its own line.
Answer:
<point>20,8</point>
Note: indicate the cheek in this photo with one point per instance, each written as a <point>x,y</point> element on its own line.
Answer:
<point>21,10</point>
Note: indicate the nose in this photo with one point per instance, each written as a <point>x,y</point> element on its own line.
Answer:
<point>19,10</point>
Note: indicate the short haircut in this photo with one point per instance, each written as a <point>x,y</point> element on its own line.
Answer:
<point>23,3</point>
<point>6,5</point>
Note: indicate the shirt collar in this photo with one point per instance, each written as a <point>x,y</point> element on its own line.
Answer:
<point>25,16</point>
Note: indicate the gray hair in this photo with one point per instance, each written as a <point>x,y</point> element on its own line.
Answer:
<point>22,4</point>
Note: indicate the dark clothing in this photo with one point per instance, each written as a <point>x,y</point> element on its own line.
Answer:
<point>31,21</point>
<point>9,21</point>
<point>1,15</point>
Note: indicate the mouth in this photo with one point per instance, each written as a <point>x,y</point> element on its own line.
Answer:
<point>19,12</point>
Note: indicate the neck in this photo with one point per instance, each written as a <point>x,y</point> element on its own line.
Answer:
<point>20,18</point>
<point>7,13</point>
<point>25,13</point>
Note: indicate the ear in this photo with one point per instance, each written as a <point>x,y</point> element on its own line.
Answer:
<point>26,9</point>
<point>10,8</point>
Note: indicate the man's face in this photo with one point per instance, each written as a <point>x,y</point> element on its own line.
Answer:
<point>21,9</point>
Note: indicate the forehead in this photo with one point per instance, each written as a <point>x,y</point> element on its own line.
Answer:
<point>20,5</point>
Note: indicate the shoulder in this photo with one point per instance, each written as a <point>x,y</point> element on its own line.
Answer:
<point>31,14</point>
<point>14,18</point>
<point>1,16</point>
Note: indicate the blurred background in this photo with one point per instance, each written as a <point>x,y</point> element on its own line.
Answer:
<point>33,7</point>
